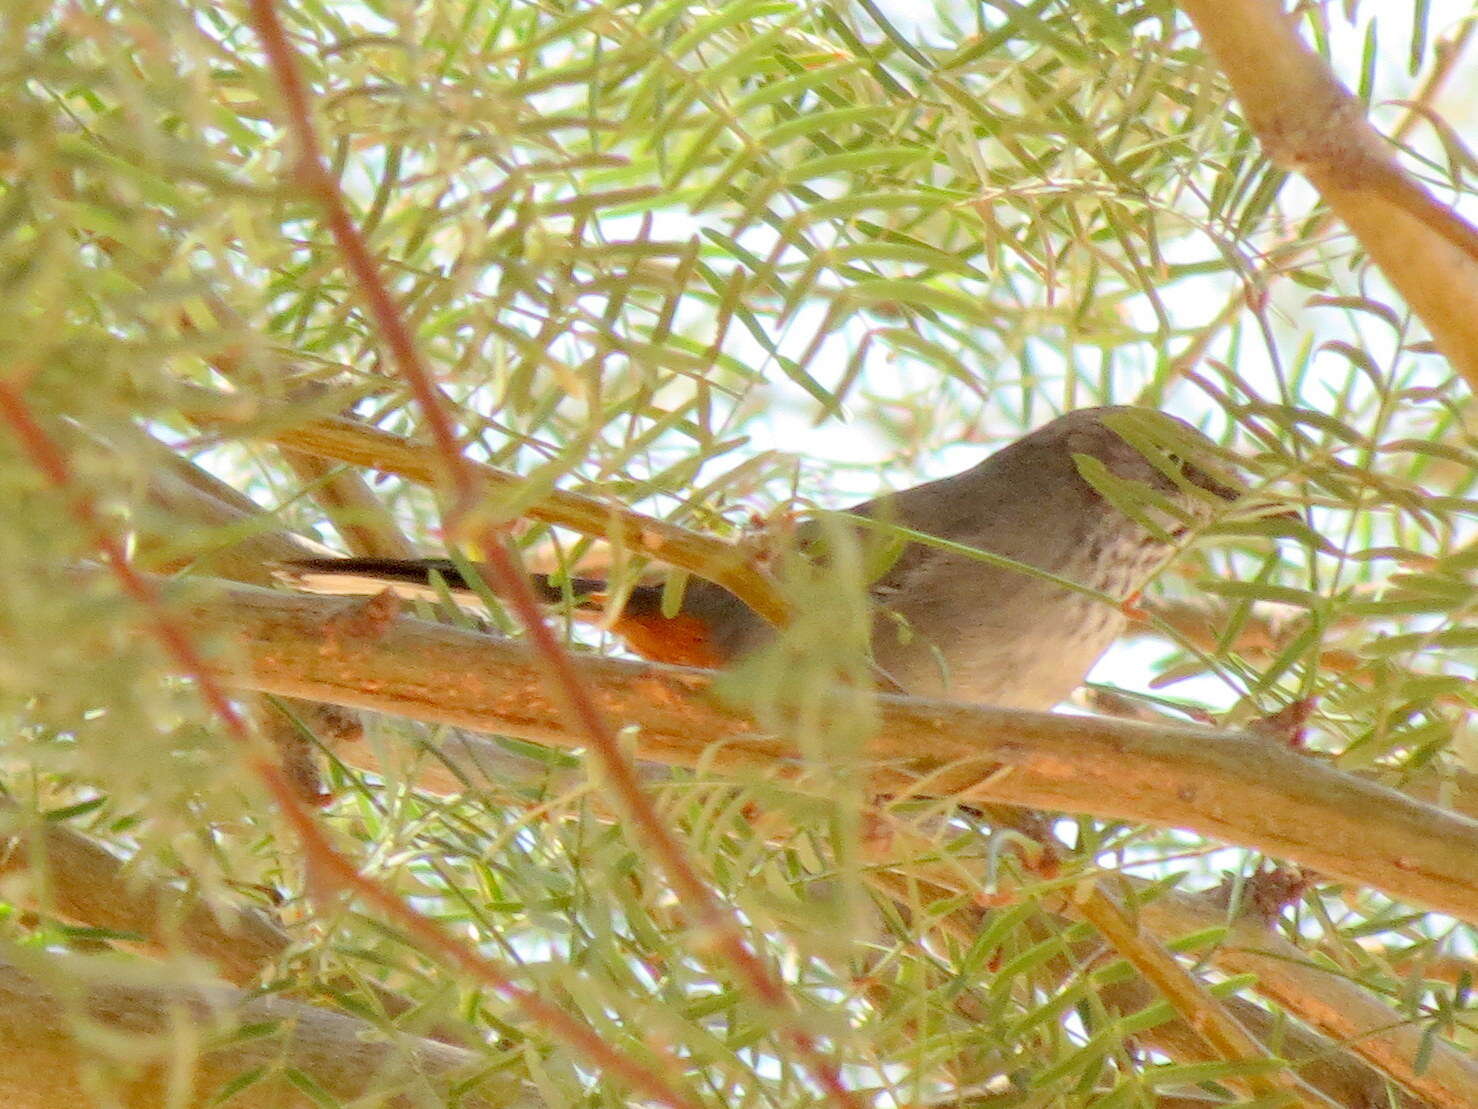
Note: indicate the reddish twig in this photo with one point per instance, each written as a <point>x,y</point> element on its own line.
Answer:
<point>323,858</point>
<point>508,580</point>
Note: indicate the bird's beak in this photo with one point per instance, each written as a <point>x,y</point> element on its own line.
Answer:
<point>1202,480</point>
<point>1261,508</point>
<point>1257,508</point>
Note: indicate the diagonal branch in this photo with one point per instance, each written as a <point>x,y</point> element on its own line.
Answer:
<point>82,881</point>
<point>1210,1020</point>
<point>1341,1011</point>
<point>331,865</point>
<point>361,444</point>
<point>1283,258</point>
<point>1309,122</point>
<point>1324,998</point>
<point>700,902</point>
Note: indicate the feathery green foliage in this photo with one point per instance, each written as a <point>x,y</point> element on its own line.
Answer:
<point>716,261</point>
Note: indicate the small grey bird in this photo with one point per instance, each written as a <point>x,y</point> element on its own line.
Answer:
<point>947,624</point>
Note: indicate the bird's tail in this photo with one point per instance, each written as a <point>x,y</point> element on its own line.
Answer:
<point>680,639</point>
<point>435,579</point>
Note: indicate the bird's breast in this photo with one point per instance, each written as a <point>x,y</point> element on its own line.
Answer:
<point>1005,638</point>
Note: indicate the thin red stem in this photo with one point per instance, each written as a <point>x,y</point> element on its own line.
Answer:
<point>323,857</point>
<point>508,581</point>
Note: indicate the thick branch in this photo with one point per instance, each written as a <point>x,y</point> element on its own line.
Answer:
<point>223,532</point>
<point>237,540</point>
<point>1281,260</point>
<point>1309,122</point>
<point>80,880</point>
<point>45,1063</point>
<point>85,882</point>
<point>1228,786</point>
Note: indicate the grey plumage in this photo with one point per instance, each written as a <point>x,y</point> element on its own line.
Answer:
<point>951,625</point>
<point>961,628</point>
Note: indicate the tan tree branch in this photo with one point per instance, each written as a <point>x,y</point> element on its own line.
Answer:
<point>360,444</point>
<point>475,762</point>
<point>50,1047</point>
<point>1309,122</point>
<point>1325,999</point>
<point>1229,786</point>
<point>357,514</point>
<point>1347,1016</point>
<point>1325,1065</point>
<point>82,881</point>
<point>1342,1009</point>
<point>1284,258</point>
<point>183,492</point>
<point>1206,1019</point>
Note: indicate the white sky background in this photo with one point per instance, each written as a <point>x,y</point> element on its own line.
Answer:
<point>790,419</point>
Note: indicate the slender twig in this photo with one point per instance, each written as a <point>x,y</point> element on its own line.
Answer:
<point>1325,999</point>
<point>507,579</point>
<point>1205,1015</point>
<point>1345,1012</point>
<point>327,863</point>
<point>360,444</point>
<point>1219,1033</point>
